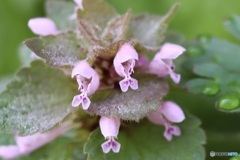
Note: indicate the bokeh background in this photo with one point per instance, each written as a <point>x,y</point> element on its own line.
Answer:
<point>193,18</point>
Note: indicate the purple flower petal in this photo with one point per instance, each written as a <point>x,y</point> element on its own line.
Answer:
<point>172,112</point>
<point>175,77</point>
<point>106,146</point>
<point>156,118</point>
<point>86,76</point>
<point>77,100</point>
<point>109,126</point>
<point>9,152</point>
<point>168,134</point>
<point>133,83</point>
<point>170,51</point>
<point>124,63</point>
<point>43,26</point>
<point>111,144</point>
<point>124,84</point>
<point>176,131</point>
<point>159,68</point>
<point>86,103</point>
<point>171,130</point>
<point>79,4</point>
<point>115,146</point>
<point>30,143</point>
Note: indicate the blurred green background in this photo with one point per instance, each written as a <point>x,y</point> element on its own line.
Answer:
<point>193,18</point>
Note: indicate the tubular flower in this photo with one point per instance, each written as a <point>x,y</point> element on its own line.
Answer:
<point>124,62</point>
<point>168,113</point>
<point>88,82</point>
<point>43,26</point>
<point>79,5</point>
<point>109,129</point>
<point>162,64</point>
<point>27,144</point>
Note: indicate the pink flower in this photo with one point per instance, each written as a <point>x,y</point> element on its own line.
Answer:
<point>9,152</point>
<point>168,113</point>
<point>162,64</point>
<point>88,82</point>
<point>124,63</point>
<point>142,63</point>
<point>27,144</point>
<point>110,128</point>
<point>43,26</point>
<point>79,6</point>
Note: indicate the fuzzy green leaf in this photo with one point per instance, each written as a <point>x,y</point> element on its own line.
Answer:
<point>132,105</point>
<point>36,100</point>
<point>7,139</point>
<point>233,25</point>
<point>61,50</point>
<point>116,28</point>
<point>95,16</point>
<point>3,82</point>
<point>148,29</point>
<point>60,12</point>
<point>145,141</point>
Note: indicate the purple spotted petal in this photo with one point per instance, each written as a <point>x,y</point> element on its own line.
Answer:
<point>171,130</point>
<point>106,146</point>
<point>111,144</point>
<point>86,103</point>
<point>124,84</point>
<point>77,100</point>
<point>133,83</point>
<point>168,133</point>
<point>115,146</point>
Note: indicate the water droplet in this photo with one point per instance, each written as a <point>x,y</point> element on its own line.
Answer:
<point>210,89</point>
<point>204,38</point>
<point>228,102</point>
<point>194,51</point>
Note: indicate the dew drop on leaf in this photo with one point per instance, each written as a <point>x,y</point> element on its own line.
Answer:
<point>194,51</point>
<point>228,102</point>
<point>204,38</point>
<point>210,89</point>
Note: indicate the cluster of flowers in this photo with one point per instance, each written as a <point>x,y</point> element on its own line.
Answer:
<point>88,81</point>
<point>124,63</point>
